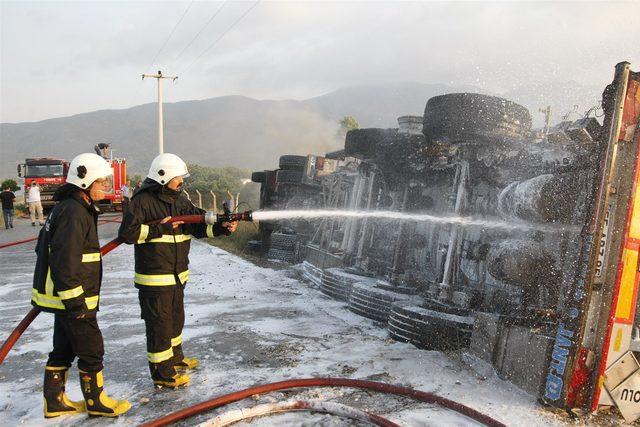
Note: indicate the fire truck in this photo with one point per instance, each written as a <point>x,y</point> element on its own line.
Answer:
<point>50,173</point>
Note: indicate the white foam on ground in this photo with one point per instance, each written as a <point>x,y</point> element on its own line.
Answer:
<point>251,325</point>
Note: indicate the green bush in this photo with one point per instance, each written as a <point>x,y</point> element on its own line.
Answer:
<point>220,180</point>
<point>12,184</point>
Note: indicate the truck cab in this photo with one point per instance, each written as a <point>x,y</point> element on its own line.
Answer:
<point>48,172</point>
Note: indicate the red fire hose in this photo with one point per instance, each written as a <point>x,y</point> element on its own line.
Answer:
<point>31,239</point>
<point>323,382</point>
<point>33,313</point>
<point>18,242</point>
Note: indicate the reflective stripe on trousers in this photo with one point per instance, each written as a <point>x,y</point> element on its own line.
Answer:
<point>160,356</point>
<point>160,279</point>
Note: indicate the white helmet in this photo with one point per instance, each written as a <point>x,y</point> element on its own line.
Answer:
<point>167,166</point>
<point>86,168</point>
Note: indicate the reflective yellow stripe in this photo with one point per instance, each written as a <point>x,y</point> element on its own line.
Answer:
<point>634,227</point>
<point>43,300</point>
<point>161,356</point>
<point>154,279</point>
<point>48,284</point>
<point>92,302</point>
<point>92,257</point>
<point>56,368</point>
<point>159,279</point>
<point>626,303</point>
<point>46,300</point>
<point>176,341</point>
<point>144,232</point>
<point>170,238</point>
<point>184,276</point>
<point>71,293</point>
<point>209,230</point>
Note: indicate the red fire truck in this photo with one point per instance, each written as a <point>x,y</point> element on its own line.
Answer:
<point>50,174</point>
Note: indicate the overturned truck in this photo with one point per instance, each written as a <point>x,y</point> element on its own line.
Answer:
<point>548,298</point>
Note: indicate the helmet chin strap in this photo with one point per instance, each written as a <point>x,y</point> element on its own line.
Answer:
<point>169,191</point>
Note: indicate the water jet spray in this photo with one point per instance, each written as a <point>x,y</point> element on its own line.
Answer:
<point>397,216</point>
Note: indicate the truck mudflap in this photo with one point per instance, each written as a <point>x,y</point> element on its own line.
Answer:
<point>597,322</point>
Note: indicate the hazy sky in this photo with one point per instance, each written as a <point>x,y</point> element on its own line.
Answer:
<point>63,58</point>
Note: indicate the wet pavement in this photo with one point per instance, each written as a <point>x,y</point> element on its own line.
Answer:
<point>247,325</point>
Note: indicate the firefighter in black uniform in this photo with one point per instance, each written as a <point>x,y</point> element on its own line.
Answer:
<point>67,282</point>
<point>162,263</point>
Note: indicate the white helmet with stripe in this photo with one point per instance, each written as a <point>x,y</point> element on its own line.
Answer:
<point>167,166</point>
<point>86,168</point>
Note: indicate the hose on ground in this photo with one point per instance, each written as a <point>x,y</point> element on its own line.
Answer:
<point>324,382</point>
<point>266,409</point>
<point>33,313</point>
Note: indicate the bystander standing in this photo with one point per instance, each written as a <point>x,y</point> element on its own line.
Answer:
<point>7,197</point>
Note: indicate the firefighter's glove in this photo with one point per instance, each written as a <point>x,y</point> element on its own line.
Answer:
<point>168,227</point>
<point>220,230</point>
<point>230,226</point>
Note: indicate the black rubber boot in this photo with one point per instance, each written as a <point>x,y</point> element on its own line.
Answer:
<point>98,403</point>
<point>56,402</point>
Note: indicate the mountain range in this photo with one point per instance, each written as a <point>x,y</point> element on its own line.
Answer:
<point>251,133</point>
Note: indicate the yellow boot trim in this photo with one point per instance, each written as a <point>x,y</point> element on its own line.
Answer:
<point>178,380</point>
<point>118,407</point>
<point>78,408</point>
<point>56,368</point>
<point>188,363</point>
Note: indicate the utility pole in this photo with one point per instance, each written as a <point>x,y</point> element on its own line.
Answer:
<point>547,118</point>
<point>159,77</point>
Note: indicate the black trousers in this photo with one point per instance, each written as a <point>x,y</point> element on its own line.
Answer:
<point>79,338</point>
<point>163,314</point>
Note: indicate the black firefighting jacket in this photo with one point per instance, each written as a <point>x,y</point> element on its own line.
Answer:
<point>161,252</point>
<point>68,271</point>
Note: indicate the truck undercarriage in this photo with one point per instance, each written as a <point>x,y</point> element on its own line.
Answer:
<point>549,301</point>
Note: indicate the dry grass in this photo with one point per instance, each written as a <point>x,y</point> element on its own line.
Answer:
<point>237,242</point>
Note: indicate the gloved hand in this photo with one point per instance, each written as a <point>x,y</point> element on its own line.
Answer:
<point>167,227</point>
<point>230,226</point>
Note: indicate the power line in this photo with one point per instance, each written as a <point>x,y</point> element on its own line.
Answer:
<point>200,32</point>
<point>171,34</point>
<point>221,36</point>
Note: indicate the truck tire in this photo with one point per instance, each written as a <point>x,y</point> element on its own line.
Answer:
<point>289,176</point>
<point>371,302</point>
<point>281,255</point>
<point>292,162</point>
<point>428,329</point>
<point>284,241</point>
<point>259,177</point>
<point>362,143</point>
<point>472,117</point>
<point>312,273</point>
<point>336,284</point>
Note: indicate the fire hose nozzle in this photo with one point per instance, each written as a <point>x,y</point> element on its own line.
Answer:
<point>212,218</point>
<point>240,216</point>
